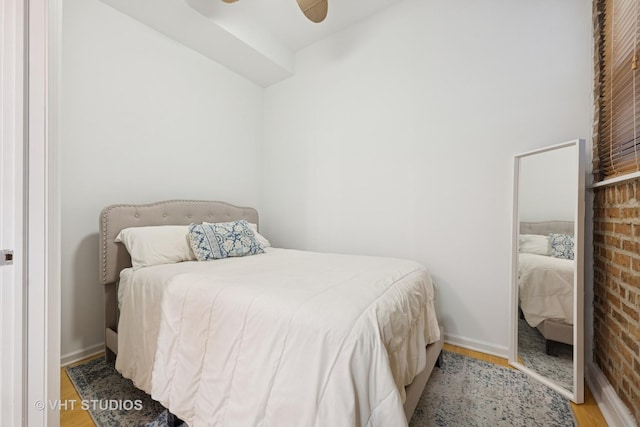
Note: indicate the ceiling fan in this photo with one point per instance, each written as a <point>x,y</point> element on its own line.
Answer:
<point>315,10</point>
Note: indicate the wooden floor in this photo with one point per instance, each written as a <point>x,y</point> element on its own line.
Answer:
<point>75,417</point>
<point>588,414</point>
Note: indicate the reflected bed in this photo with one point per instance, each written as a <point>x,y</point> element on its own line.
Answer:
<point>546,284</point>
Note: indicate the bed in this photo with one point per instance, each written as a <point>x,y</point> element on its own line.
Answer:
<point>298,337</point>
<point>545,284</point>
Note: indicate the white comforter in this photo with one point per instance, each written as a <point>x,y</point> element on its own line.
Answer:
<point>545,288</point>
<point>286,338</point>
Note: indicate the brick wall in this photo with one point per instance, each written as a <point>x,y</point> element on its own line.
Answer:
<point>617,289</point>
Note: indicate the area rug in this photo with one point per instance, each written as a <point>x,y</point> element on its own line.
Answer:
<point>462,392</point>
<point>470,392</point>
<point>113,400</point>
<point>531,349</point>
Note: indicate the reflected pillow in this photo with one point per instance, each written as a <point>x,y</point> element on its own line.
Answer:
<point>534,244</point>
<point>562,245</point>
<point>153,245</point>
<point>222,240</point>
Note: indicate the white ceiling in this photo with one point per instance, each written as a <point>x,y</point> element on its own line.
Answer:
<point>283,20</point>
<point>255,38</point>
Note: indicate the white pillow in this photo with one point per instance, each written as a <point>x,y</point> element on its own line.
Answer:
<point>259,237</point>
<point>153,245</point>
<point>534,244</point>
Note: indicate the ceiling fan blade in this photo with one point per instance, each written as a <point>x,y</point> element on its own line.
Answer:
<point>315,10</point>
<point>229,1</point>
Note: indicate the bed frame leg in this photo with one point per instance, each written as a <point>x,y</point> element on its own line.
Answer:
<point>439,360</point>
<point>551,348</point>
<point>109,356</point>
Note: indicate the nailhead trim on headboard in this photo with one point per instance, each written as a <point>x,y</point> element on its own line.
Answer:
<point>104,248</point>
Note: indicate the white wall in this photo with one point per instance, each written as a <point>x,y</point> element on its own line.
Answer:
<point>548,186</point>
<point>396,136</point>
<point>142,119</point>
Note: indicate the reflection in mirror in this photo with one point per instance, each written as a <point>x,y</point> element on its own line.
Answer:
<point>546,256</point>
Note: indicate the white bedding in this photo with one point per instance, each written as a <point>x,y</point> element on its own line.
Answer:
<point>285,338</point>
<point>545,288</point>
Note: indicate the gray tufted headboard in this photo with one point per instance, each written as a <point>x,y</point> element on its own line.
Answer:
<point>546,227</point>
<point>114,256</point>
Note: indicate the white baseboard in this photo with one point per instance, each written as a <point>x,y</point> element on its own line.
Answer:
<point>74,356</point>
<point>612,408</point>
<point>481,346</point>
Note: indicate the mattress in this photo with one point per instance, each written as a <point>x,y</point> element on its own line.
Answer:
<point>545,288</point>
<point>285,338</point>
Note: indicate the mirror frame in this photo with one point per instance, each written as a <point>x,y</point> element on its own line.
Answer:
<point>577,395</point>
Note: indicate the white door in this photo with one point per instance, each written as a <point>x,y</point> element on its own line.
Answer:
<point>29,220</point>
<point>11,212</point>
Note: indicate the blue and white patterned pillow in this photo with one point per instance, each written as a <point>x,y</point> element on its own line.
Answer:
<point>222,240</point>
<point>561,245</point>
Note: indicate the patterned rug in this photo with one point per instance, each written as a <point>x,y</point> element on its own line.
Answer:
<point>470,392</point>
<point>463,392</point>
<point>531,348</point>
<point>98,381</point>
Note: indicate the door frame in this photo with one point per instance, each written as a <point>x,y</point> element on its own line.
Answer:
<point>43,212</point>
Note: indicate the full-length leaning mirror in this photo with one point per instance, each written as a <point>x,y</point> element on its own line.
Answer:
<point>547,267</point>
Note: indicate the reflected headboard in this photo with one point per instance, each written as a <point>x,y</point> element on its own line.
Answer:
<point>546,227</point>
<point>114,256</point>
